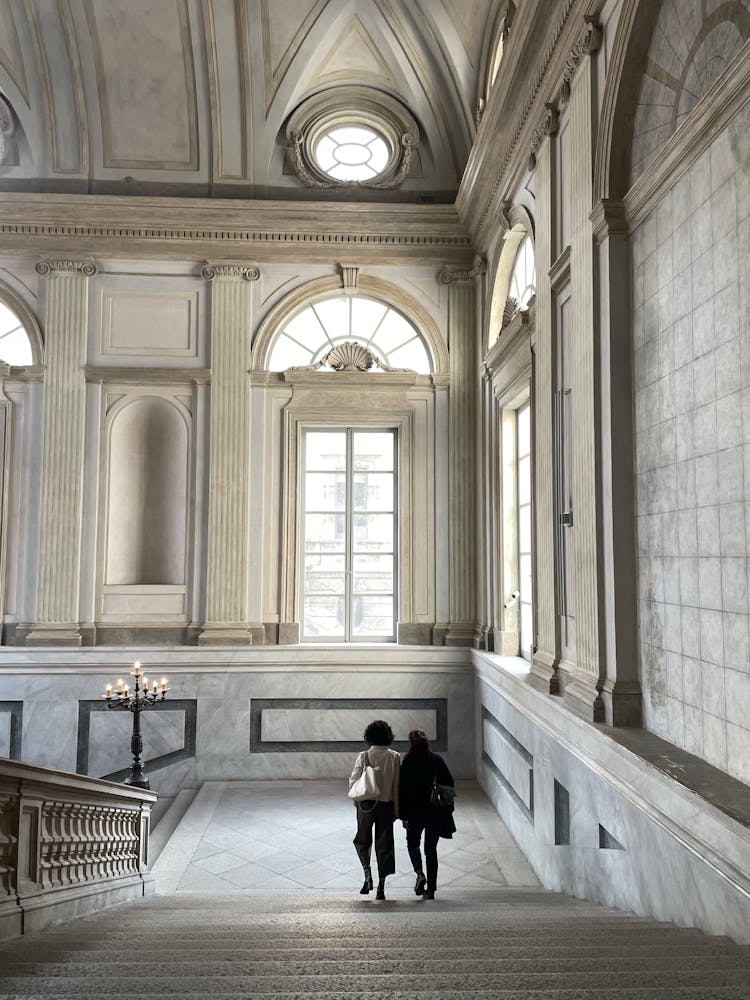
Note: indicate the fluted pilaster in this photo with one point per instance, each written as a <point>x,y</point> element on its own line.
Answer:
<point>229,469</point>
<point>58,577</point>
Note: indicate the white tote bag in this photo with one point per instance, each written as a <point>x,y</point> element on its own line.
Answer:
<point>366,786</point>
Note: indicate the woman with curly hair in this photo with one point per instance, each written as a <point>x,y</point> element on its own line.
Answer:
<point>381,812</point>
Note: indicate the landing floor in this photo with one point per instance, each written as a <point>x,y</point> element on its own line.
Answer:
<point>240,836</point>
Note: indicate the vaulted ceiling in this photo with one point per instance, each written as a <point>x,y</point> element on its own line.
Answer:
<point>192,97</point>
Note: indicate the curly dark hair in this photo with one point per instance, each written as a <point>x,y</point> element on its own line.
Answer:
<point>419,745</point>
<point>379,734</point>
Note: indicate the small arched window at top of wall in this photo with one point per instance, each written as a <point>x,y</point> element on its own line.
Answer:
<point>515,281</point>
<point>348,333</point>
<point>19,336</point>
<point>492,56</point>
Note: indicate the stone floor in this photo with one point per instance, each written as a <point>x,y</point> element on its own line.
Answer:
<point>244,836</point>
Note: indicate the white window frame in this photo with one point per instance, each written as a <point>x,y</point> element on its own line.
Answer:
<point>349,596</point>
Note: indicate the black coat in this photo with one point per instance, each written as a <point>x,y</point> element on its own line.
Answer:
<point>415,786</point>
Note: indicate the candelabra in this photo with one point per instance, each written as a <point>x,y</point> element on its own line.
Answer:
<point>140,699</point>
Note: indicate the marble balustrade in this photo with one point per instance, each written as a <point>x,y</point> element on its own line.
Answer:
<point>68,845</point>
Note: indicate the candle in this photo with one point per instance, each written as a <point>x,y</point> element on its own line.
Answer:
<point>126,690</point>
<point>145,683</point>
<point>119,685</point>
<point>109,690</point>
<point>136,668</point>
<point>156,686</point>
<point>164,683</point>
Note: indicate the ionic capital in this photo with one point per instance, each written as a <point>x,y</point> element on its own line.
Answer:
<point>68,265</point>
<point>228,269</point>
<point>451,276</point>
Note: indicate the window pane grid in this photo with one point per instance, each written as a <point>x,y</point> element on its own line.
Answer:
<point>523,460</point>
<point>348,548</point>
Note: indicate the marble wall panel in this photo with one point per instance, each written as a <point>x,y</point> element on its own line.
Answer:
<point>109,738</point>
<point>5,721</point>
<point>223,684</point>
<point>514,764</point>
<point>658,854</point>
<point>11,729</point>
<point>691,341</point>
<point>300,725</point>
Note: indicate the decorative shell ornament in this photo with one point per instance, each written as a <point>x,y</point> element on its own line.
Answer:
<point>350,357</point>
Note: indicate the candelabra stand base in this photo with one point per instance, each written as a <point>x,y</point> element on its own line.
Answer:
<point>141,782</point>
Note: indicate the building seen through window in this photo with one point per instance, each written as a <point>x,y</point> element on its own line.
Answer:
<point>348,544</point>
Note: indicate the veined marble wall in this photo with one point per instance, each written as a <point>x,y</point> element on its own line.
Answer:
<point>691,281</point>
<point>237,714</point>
<point>606,825</point>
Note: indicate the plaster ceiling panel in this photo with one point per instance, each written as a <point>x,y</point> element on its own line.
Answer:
<point>226,33</point>
<point>353,57</point>
<point>10,51</point>
<point>146,82</point>
<point>286,23</point>
<point>469,18</point>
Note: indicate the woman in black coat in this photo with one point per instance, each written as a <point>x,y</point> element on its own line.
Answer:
<point>419,769</point>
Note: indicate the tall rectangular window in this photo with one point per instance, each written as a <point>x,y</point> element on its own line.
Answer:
<point>523,456</point>
<point>349,535</point>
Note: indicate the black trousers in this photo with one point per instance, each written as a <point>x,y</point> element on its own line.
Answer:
<point>380,819</point>
<point>431,823</point>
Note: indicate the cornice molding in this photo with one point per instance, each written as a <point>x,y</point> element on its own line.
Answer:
<point>450,276</point>
<point>494,156</point>
<point>225,269</point>
<point>709,117</point>
<point>21,373</point>
<point>608,219</point>
<point>498,155</point>
<point>69,265</point>
<point>121,227</point>
<point>123,375</point>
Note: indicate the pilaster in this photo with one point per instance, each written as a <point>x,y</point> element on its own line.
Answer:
<point>229,464</point>
<point>463,459</point>
<point>621,690</point>
<point>546,655</point>
<point>581,688</point>
<point>59,568</point>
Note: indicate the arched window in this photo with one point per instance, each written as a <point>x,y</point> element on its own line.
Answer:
<point>309,336</point>
<point>15,346</point>
<point>523,279</point>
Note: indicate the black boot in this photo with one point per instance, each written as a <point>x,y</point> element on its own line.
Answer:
<point>367,886</point>
<point>421,884</point>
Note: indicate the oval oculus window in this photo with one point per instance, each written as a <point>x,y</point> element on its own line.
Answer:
<point>352,153</point>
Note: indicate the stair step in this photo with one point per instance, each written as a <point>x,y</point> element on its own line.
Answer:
<point>315,982</point>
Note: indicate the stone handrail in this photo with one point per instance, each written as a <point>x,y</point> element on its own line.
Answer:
<point>68,845</point>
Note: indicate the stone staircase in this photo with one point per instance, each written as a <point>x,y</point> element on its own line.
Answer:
<point>509,943</point>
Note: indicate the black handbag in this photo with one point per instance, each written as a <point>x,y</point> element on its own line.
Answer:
<point>441,795</point>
